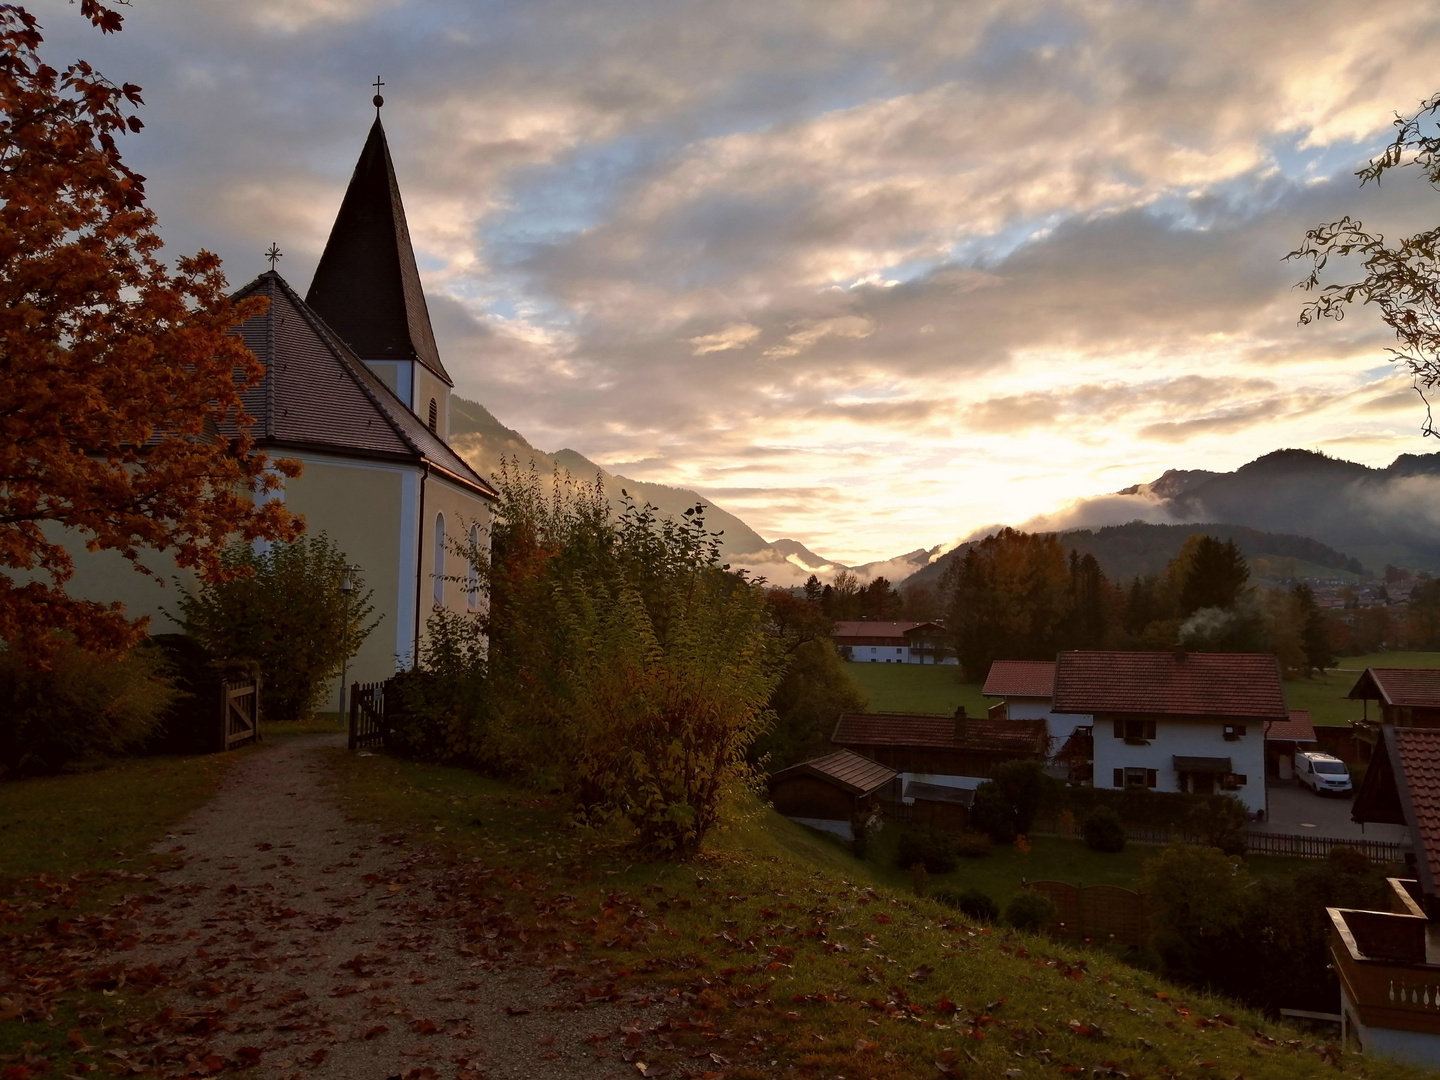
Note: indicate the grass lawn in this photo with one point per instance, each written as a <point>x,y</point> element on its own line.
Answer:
<point>102,820</point>
<point>920,688</point>
<point>786,956</point>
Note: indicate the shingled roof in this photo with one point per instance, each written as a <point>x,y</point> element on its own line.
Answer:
<point>1298,728</point>
<point>1402,787</point>
<point>1020,678</point>
<point>317,395</point>
<point>938,732</point>
<point>367,286</point>
<point>1222,686</point>
<point>1405,687</point>
<point>856,774</point>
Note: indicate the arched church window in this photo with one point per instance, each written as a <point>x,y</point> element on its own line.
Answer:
<point>474,569</point>
<point>439,560</point>
<point>434,415</point>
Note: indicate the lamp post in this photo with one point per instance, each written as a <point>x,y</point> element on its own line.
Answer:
<point>347,586</point>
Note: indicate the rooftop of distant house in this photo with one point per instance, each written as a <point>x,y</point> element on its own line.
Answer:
<point>844,768</point>
<point>938,732</point>
<point>1173,683</point>
<point>1020,679</point>
<point>875,628</point>
<point>1299,728</point>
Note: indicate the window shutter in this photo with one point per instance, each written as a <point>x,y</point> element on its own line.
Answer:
<point>1150,778</point>
<point>1119,778</point>
<point>1119,729</point>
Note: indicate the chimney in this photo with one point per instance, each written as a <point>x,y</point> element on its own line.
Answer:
<point>960,725</point>
<point>1179,651</point>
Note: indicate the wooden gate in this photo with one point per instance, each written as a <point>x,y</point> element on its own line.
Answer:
<point>239,713</point>
<point>367,715</point>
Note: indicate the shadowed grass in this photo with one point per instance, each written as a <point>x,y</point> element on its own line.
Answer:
<point>922,688</point>
<point>776,953</point>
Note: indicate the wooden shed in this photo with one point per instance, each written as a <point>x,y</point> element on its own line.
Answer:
<point>832,791</point>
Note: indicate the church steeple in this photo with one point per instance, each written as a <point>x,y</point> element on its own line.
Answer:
<point>367,286</point>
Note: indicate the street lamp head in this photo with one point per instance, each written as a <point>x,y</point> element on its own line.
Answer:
<point>347,580</point>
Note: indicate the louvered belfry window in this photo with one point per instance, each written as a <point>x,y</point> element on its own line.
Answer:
<point>434,415</point>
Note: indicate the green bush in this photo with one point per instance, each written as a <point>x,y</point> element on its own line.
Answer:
<point>1219,822</point>
<point>971,902</point>
<point>925,845</point>
<point>83,707</point>
<point>1005,805</point>
<point>439,712</point>
<point>1103,831</point>
<point>285,611</point>
<point>1030,910</point>
<point>972,845</point>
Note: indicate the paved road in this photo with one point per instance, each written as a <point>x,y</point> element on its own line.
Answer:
<point>1298,810</point>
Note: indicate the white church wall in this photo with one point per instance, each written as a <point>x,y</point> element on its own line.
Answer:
<point>428,387</point>
<point>460,508</point>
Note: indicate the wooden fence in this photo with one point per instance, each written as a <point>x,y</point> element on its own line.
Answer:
<point>1101,914</point>
<point>1259,843</point>
<point>367,715</point>
<point>239,713</point>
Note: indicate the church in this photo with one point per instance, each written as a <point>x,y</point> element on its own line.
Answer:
<point>354,389</point>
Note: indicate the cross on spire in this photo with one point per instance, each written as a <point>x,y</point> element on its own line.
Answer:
<point>377,98</point>
<point>274,254</point>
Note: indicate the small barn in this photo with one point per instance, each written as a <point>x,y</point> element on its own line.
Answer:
<point>1286,738</point>
<point>832,791</point>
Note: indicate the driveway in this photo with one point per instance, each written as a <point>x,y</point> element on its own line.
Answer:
<point>1299,811</point>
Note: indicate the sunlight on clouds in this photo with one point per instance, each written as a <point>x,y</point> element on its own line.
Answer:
<point>294,16</point>
<point>735,336</point>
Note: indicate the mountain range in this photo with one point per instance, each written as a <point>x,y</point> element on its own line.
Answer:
<point>1291,512</point>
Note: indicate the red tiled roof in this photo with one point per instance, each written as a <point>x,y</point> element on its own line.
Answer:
<point>1297,729</point>
<point>316,394</point>
<point>1400,686</point>
<point>850,628</point>
<point>1418,750</point>
<point>1219,685</point>
<point>937,732</point>
<point>858,775</point>
<point>1020,678</point>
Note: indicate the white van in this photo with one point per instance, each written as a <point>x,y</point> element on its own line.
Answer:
<point>1323,774</point>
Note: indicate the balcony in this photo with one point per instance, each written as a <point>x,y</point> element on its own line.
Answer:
<point>1388,963</point>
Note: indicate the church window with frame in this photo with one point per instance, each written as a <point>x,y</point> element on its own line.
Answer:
<point>439,560</point>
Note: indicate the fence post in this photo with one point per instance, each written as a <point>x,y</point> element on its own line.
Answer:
<point>354,714</point>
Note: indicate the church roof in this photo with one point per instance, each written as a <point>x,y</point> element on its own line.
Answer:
<point>318,395</point>
<point>367,286</point>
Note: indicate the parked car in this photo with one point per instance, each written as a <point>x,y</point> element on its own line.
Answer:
<point>1323,774</point>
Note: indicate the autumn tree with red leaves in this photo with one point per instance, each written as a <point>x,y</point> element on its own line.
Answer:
<point>121,420</point>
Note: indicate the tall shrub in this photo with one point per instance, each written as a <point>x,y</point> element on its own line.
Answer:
<point>284,610</point>
<point>84,706</point>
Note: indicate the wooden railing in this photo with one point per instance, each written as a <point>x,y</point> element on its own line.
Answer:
<point>367,715</point>
<point>239,713</point>
<point>1400,994</point>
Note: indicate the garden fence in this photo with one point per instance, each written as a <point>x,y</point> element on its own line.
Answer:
<point>367,715</point>
<point>239,713</point>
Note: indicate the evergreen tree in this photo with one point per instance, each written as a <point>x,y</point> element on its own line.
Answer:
<point>1314,630</point>
<point>1214,575</point>
<point>813,590</point>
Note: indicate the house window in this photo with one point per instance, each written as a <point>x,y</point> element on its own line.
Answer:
<point>1234,731</point>
<point>1135,778</point>
<point>1135,730</point>
<point>899,651</point>
<point>434,415</point>
<point>474,581</point>
<point>439,560</point>
<point>1234,780</point>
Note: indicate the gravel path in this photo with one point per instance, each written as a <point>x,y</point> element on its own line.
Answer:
<point>306,929</point>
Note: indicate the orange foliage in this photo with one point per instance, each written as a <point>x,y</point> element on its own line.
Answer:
<point>120,389</point>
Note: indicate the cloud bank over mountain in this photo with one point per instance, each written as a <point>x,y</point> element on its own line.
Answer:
<point>870,273</point>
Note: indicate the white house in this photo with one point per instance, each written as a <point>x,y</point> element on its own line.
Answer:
<point>1026,689</point>
<point>1176,721</point>
<point>876,642</point>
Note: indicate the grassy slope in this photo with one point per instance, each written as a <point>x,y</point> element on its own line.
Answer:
<point>778,947</point>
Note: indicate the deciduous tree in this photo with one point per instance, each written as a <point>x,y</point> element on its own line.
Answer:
<point>1400,279</point>
<point>122,417</point>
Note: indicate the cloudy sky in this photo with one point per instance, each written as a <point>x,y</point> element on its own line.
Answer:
<point>868,274</point>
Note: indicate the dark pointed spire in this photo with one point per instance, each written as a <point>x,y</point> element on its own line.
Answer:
<point>367,286</point>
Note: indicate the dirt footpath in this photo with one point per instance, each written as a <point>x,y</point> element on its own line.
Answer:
<point>304,928</point>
